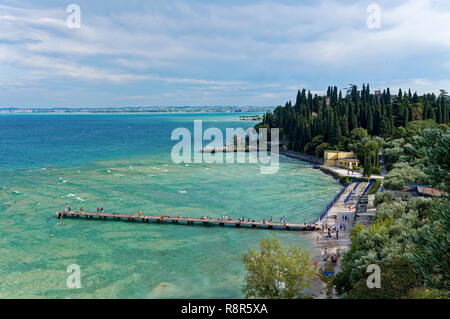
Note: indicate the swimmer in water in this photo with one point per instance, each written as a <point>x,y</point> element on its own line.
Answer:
<point>51,234</point>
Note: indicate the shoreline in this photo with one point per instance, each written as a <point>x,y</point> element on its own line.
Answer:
<point>319,241</point>
<point>47,112</point>
<point>301,157</point>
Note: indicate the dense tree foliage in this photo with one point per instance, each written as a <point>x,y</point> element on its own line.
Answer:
<point>425,161</point>
<point>430,254</point>
<point>434,146</point>
<point>315,122</point>
<point>408,240</point>
<point>277,272</point>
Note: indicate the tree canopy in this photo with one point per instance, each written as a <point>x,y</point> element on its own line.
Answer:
<point>277,272</point>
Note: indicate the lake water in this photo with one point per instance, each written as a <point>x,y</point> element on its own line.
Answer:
<point>122,162</point>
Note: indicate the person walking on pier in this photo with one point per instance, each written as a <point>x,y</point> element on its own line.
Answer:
<point>139,212</point>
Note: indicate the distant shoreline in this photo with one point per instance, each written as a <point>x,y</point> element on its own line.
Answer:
<point>228,114</point>
<point>135,110</point>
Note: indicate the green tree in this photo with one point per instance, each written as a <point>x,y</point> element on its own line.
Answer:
<point>434,145</point>
<point>370,121</point>
<point>277,272</point>
<point>397,279</point>
<point>431,249</point>
<point>321,148</point>
<point>368,166</point>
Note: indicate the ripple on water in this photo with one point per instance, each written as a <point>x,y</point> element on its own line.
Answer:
<point>136,260</point>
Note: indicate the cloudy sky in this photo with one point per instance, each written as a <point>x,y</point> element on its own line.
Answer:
<point>216,52</point>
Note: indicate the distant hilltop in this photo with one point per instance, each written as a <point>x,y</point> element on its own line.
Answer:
<point>146,109</point>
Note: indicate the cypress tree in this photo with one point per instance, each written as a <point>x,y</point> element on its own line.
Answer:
<point>333,134</point>
<point>357,109</point>
<point>369,121</point>
<point>388,96</point>
<point>344,125</point>
<point>368,166</point>
<point>377,122</point>
<point>390,118</point>
<point>406,117</point>
<point>353,121</point>
<point>298,101</point>
<point>425,111</point>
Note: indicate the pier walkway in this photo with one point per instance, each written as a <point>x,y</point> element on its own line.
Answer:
<point>185,220</point>
<point>341,217</point>
<point>344,206</point>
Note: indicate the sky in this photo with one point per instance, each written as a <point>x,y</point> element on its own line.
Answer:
<point>216,52</point>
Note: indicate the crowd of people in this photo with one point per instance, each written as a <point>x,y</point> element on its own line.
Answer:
<point>250,220</point>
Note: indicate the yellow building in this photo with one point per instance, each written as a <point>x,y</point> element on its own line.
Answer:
<point>341,159</point>
<point>348,163</point>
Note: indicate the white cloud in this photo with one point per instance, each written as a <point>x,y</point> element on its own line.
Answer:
<point>227,48</point>
<point>421,85</point>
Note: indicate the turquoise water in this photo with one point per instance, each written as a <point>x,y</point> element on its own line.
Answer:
<point>122,162</point>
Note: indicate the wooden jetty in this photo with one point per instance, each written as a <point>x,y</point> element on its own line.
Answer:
<point>186,220</point>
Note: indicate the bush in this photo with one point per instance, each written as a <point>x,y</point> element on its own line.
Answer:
<point>398,280</point>
<point>423,206</point>
<point>375,186</point>
<point>384,197</point>
<point>311,146</point>
<point>386,210</point>
<point>425,293</point>
<point>392,155</point>
<point>403,173</point>
<point>358,133</point>
<point>376,170</point>
<point>421,125</point>
<point>408,149</point>
<point>399,132</point>
<point>394,183</point>
<point>320,149</point>
<point>344,180</point>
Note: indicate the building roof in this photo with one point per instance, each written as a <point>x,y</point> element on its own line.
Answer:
<point>334,151</point>
<point>429,191</point>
